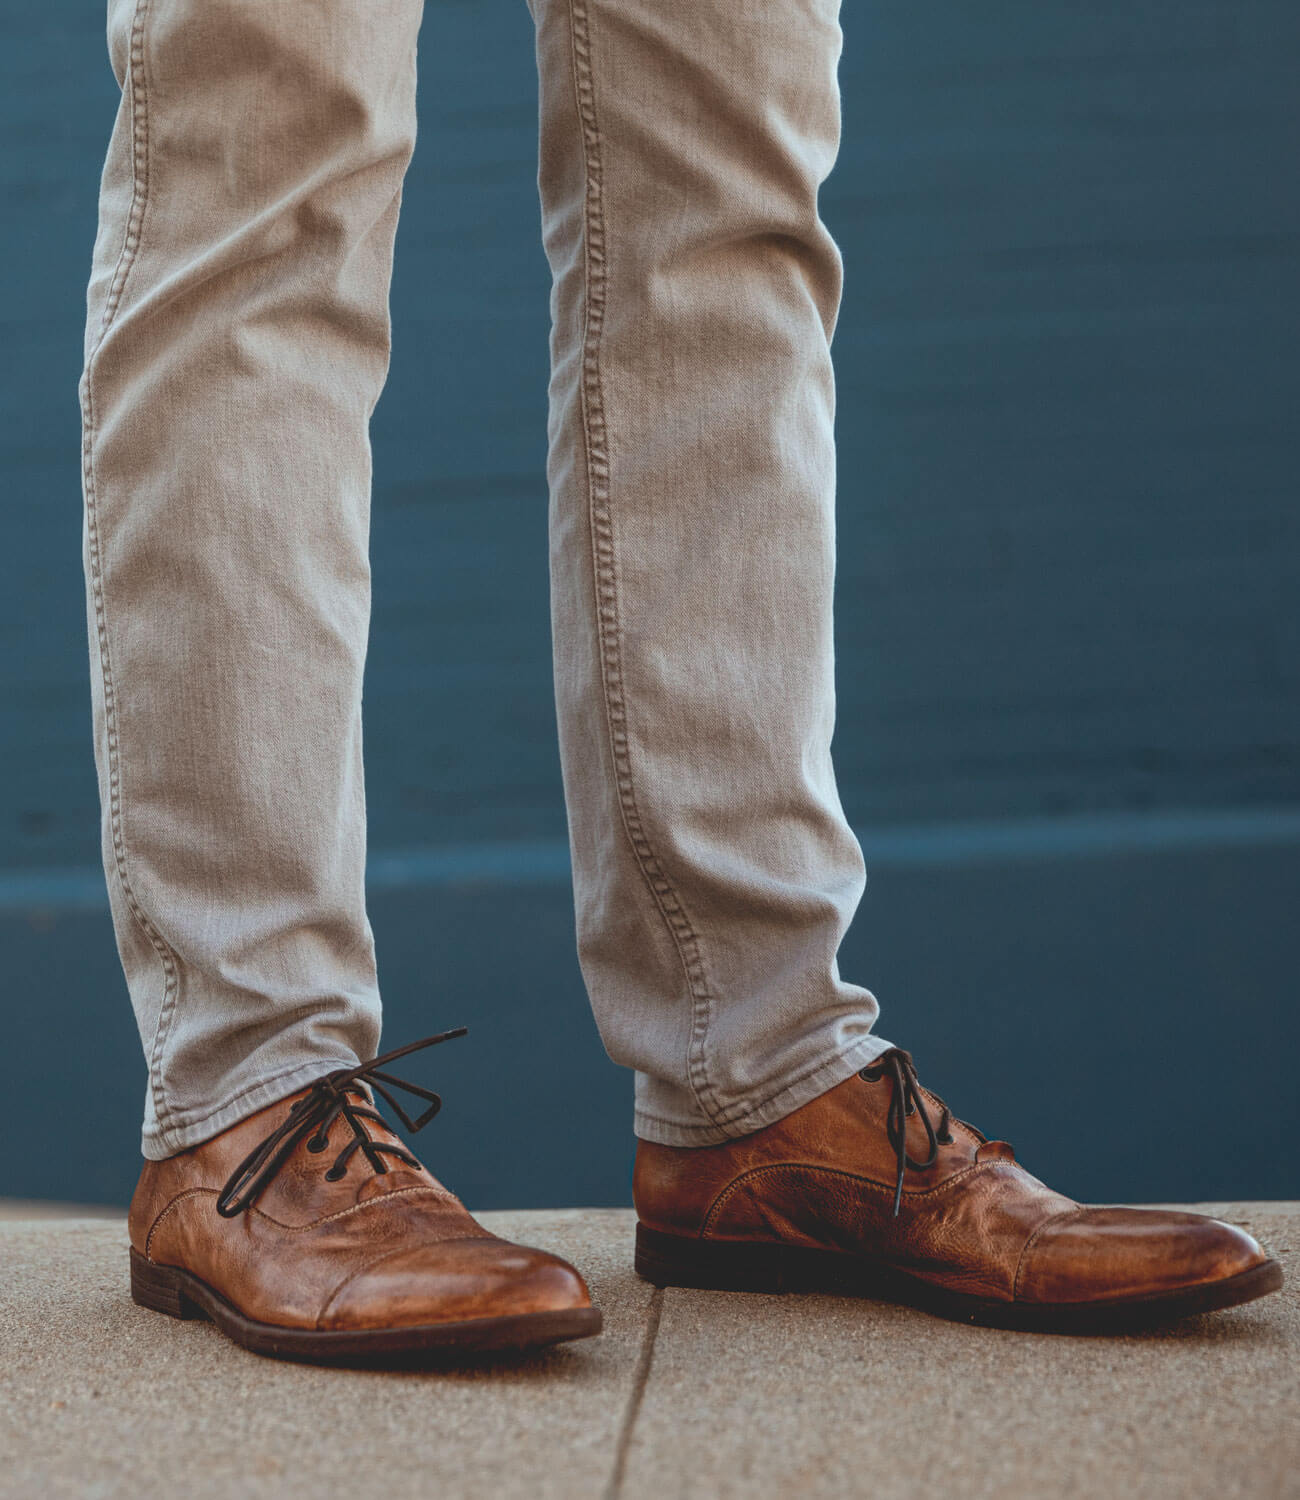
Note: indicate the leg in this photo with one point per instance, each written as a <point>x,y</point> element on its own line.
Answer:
<point>692,472</point>
<point>236,343</point>
<point>692,469</point>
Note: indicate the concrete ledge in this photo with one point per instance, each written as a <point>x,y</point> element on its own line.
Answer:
<point>687,1394</point>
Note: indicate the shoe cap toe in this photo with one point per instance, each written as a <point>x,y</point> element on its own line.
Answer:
<point>454,1281</point>
<point>1101,1254</point>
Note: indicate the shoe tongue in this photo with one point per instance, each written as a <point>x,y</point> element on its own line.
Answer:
<point>995,1151</point>
<point>379,1131</point>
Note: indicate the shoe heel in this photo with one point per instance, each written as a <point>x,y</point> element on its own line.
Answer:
<point>159,1288</point>
<point>675,1260</point>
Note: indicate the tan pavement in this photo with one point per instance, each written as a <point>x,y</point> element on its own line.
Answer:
<point>686,1394</point>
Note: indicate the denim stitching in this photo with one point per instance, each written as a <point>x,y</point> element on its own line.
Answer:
<point>126,260</point>
<point>678,922</point>
<point>139,171</point>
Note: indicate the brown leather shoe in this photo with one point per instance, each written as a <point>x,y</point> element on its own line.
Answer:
<point>874,1189</point>
<point>309,1231</point>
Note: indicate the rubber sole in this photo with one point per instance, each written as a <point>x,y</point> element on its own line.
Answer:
<point>170,1290</point>
<point>674,1260</point>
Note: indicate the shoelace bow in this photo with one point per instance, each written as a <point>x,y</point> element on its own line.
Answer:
<point>318,1109</point>
<point>907,1099</point>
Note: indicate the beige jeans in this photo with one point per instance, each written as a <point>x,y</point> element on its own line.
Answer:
<point>237,340</point>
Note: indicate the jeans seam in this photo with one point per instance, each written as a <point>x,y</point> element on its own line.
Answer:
<point>139,174</point>
<point>680,927</point>
<point>112,301</point>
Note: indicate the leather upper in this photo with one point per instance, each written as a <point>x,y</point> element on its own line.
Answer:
<point>975,1221</point>
<point>371,1250</point>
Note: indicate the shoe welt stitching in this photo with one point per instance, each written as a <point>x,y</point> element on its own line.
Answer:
<point>175,1203</point>
<point>1066,1213</point>
<point>342,1213</point>
<point>720,1201</point>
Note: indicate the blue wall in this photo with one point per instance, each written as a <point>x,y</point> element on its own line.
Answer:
<point>1069,726</point>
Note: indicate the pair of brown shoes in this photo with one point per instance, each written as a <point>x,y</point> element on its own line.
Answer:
<point>310,1231</point>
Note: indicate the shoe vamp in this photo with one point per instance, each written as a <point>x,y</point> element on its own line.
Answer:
<point>967,1232</point>
<point>285,1273</point>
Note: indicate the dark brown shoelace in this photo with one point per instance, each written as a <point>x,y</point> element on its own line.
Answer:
<point>327,1100</point>
<point>907,1099</point>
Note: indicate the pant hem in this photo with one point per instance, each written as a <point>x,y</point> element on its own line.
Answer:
<point>157,1144</point>
<point>782,1101</point>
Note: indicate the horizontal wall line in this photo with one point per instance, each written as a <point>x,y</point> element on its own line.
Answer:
<point>920,846</point>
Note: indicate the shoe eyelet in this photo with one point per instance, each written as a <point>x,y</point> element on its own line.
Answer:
<point>335,1175</point>
<point>317,1144</point>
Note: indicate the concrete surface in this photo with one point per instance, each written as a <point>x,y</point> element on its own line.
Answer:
<point>687,1394</point>
<point>25,1210</point>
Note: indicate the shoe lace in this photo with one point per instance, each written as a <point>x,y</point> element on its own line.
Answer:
<point>907,1099</point>
<point>317,1110</point>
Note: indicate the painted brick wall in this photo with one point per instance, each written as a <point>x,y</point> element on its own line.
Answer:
<point>1068,561</point>
<point>1068,519</point>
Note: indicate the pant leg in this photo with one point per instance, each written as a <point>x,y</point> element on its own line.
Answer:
<point>237,340</point>
<point>692,472</point>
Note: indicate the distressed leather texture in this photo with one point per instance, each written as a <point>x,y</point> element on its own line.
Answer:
<point>371,1250</point>
<point>974,1222</point>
